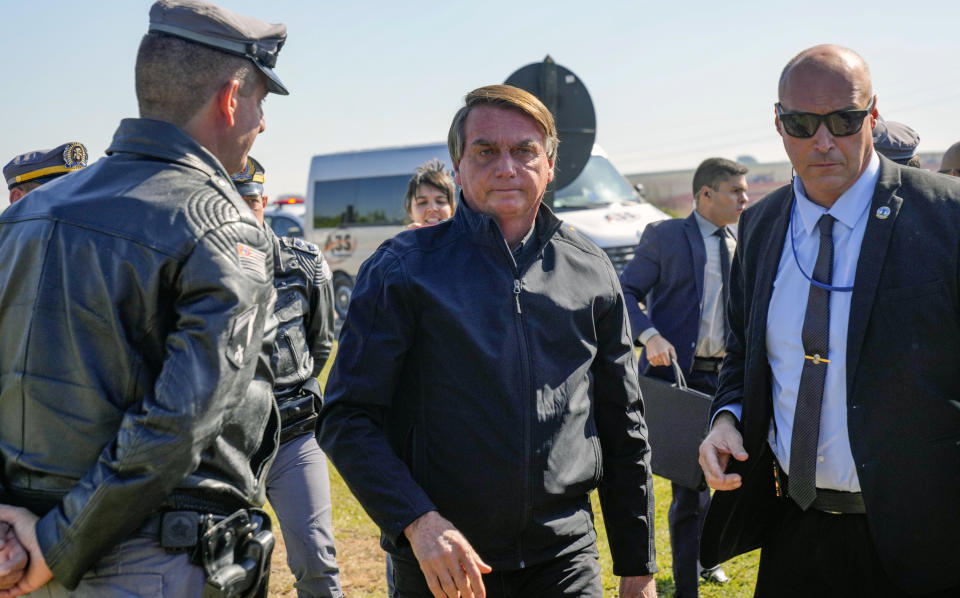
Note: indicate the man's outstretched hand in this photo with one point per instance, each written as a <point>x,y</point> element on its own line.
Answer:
<point>449,563</point>
<point>723,441</point>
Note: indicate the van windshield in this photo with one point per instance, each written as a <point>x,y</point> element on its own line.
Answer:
<point>597,186</point>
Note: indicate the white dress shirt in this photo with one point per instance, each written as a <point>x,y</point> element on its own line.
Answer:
<point>711,338</point>
<point>836,469</point>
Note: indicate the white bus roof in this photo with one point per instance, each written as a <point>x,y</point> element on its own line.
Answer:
<point>390,161</point>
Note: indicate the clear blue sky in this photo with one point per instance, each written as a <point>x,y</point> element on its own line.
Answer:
<point>672,82</point>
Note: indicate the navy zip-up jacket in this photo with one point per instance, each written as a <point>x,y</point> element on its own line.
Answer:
<point>499,396</point>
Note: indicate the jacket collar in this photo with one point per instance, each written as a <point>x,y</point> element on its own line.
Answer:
<point>275,243</point>
<point>484,229</point>
<point>159,139</point>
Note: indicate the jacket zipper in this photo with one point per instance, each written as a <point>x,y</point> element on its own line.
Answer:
<point>526,392</point>
<point>526,415</point>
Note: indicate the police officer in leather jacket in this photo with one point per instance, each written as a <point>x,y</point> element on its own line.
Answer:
<point>298,485</point>
<point>135,390</point>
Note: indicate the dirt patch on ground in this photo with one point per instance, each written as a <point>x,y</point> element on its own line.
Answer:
<point>358,555</point>
<point>361,564</point>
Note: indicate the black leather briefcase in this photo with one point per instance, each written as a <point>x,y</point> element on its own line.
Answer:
<point>677,419</point>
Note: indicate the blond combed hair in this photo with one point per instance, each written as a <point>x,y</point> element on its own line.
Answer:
<point>511,98</point>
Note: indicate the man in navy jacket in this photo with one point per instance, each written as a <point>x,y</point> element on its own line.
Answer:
<point>678,272</point>
<point>485,383</point>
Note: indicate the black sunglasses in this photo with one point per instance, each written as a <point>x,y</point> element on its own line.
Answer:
<point>840,123</point>
<point>950,171</point>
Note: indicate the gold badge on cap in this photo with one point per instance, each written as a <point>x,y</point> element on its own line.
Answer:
<point>248,169</point>
<point>75,155</point>
<point>883,212</point>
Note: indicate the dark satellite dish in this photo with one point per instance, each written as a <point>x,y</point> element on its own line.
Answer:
<point>567,98</point>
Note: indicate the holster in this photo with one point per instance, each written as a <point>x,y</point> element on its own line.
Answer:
<point>235,554</point>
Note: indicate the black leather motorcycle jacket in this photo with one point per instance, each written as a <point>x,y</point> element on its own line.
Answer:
<point>304,312</point>
<point>305,319</point>
<point>136,303</point>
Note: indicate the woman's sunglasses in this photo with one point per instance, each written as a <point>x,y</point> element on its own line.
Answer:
<point>840,123</point>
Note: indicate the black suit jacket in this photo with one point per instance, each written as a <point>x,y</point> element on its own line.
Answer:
<point>903,377</point>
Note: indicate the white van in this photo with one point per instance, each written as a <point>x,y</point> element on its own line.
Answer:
<point>355,202</point>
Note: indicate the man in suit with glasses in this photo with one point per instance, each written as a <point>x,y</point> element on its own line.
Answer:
<point>834,442</point>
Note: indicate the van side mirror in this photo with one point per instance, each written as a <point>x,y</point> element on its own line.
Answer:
<point>639,188</point>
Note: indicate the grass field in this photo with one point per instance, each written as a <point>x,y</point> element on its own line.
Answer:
<point>362,567</point>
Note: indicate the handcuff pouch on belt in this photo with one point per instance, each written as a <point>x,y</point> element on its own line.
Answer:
<point>298,414</point>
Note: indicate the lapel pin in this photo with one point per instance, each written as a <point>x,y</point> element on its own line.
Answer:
<point>883,212</point>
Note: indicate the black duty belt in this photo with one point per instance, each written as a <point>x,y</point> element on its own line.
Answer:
<point>707,364</point>
<point>835,502</point>
<point>40,502</point>
<point>178,530</point>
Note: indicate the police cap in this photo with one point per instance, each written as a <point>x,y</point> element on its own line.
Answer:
<point>217,27</point>
<point>44,165</point>
<point>249,181</point>
<point>895,140</point>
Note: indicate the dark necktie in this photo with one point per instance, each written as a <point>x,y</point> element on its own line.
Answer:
<point>815,336</point>
<point>724,276</point>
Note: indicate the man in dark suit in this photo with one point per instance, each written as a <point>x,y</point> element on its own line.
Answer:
<point>836,427</point>
<point>678,273</point>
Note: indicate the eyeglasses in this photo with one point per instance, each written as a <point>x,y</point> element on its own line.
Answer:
<point>950,171</point>
<point>840,123</point>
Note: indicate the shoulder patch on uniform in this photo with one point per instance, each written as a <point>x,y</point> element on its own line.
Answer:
<point>252,259</point>
<point>300,245</point>
<point>241,333</point>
